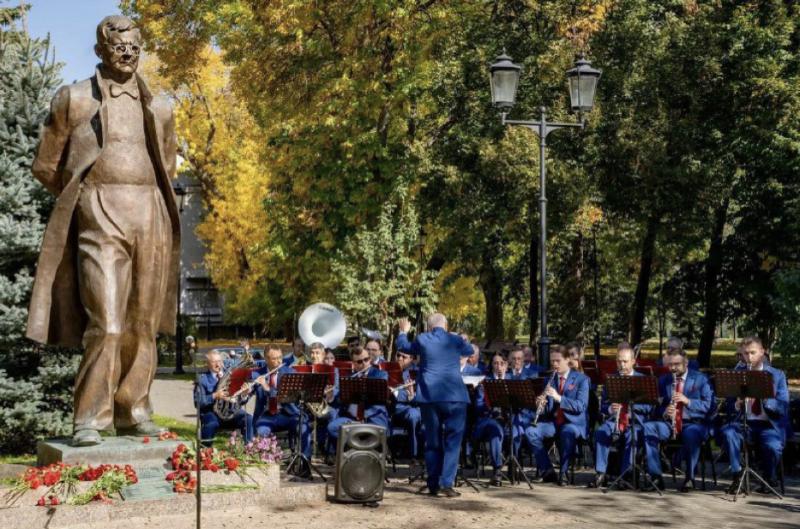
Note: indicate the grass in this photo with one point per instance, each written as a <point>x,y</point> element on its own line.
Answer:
<point>185,430</point>
<point>189,377</point>
<point>18,459</point>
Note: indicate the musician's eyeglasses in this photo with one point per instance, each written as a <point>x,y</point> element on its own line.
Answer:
<point>372,350</point>
<point>363,360</point>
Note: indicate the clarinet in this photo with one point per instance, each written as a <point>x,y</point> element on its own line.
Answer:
<point>540,407</point>
<point>674,422</point>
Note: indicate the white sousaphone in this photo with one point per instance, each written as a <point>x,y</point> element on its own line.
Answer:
<point>323,323</point>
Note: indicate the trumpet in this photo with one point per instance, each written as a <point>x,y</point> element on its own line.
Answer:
<point>396,390</point>
<point>540,407</point>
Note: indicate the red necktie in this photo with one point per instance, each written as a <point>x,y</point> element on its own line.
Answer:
<point>623,418</point>
<point>755,409</point>
<point>560,419</point>
<point>273,401</point>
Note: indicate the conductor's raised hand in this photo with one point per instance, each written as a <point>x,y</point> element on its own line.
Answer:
<point>403,325</point>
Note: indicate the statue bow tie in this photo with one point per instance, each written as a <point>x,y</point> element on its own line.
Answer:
<point>117,90</point>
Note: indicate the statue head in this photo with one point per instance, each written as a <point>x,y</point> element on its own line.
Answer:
<point>118,44</point>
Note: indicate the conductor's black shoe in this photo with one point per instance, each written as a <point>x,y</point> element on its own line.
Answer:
<point>497,479</point>
<point>598,481</point>
<point>329,460</point>
<point>449,492</point>
<point>734,486</point>
<point>561,481</point>
<point>550,477</point>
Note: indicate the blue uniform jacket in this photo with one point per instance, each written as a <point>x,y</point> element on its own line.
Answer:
<point>403,402</point>
<point>696,388</point>
<point>776,408</point>
<point>574,400</point>
<point>262,395</point>
<point>439,355</point>
<point>525,374</point>
<point>202,393</point>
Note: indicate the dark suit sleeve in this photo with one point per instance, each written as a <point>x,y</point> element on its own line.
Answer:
<point>403,344</point>
<point>55,134</point>
<point>464,347</point>
<point>204,400</point>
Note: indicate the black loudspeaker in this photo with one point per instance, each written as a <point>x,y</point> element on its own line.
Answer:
<point>360,463</point>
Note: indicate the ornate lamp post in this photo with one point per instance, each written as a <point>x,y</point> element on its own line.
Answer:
<point>582,85</point>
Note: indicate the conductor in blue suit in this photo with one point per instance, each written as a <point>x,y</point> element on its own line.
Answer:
<point>442,398</point>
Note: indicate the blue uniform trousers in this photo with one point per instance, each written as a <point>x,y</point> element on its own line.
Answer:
<point>269,424</point>
<point>444,424</point>
<point>210,423</point>
<point>692,437</point>
<point>489,430</point>
<point>334,425</point>
<point>411,419</point>
<point>764,436</point>
<point>602,438</point>
<point>568,435</point>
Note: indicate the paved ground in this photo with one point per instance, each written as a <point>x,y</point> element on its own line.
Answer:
<point>173,398</point>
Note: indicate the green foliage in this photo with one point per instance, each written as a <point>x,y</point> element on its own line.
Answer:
<point>379,273</point>
<point>35,383</point>
<point>786,304</point>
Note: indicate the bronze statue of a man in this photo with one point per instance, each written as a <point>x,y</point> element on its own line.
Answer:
<point>107,272</point>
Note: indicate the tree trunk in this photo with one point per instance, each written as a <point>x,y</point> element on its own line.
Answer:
<point>712,299</point>
<point>492,287</point>
<point>643,284</point>
<point>533,305</point>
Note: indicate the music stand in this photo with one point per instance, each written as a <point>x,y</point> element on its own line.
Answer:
<point>299,389</point>
<point>499,396</point>
<point>633,390</point>
<point>742,385</point>
<point>364,392</point>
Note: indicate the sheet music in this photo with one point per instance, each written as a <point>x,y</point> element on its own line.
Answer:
<point>473,380</point>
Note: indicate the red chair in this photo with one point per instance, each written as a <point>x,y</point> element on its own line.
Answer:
<point>591,364</point>
<point>329,370</point>
<point>302,369</point>
<point>593,374</point>
<point>607,366</point>
<point>647,362</point>
<point>662,370</point>
<point>645,370</point>
<point>343,364</point>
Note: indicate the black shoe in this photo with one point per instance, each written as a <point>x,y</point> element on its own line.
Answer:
<point>734,486</point>
<point>762,489</point>
<point>561,481</point>
<point>550,477</point>
<point>598,481</point>
<point>684,488</point>
<point>497,479</point>
<point>329,460</point>
<point>449,492</point>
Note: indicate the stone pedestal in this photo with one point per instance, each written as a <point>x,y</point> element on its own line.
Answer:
<point>113,450</point>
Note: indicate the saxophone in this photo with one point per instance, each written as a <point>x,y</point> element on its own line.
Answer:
<point>225,409</point>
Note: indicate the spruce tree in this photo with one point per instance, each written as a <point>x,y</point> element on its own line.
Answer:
<point>35,382</point>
